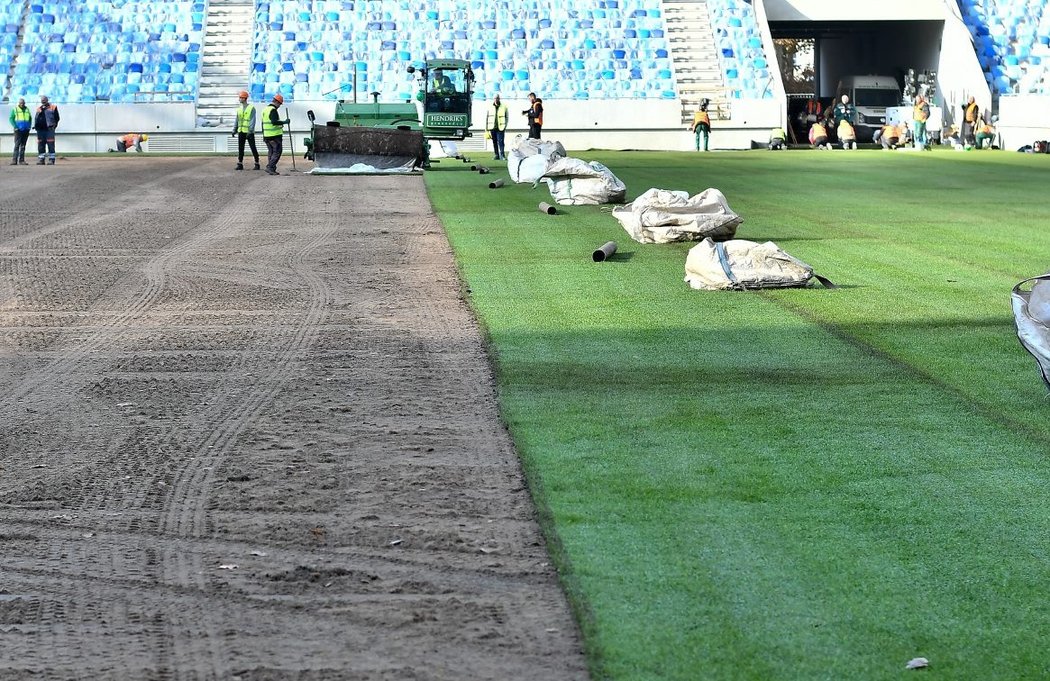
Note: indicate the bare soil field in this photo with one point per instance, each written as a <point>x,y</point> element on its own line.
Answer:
<point>249,431</point>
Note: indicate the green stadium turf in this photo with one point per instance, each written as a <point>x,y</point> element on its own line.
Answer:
<point>790,484</point>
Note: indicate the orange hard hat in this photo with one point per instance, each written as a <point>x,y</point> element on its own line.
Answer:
<point>279,99</point>
<point>243,94</point>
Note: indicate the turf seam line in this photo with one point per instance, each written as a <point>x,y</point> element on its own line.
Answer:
<point>979,408</point>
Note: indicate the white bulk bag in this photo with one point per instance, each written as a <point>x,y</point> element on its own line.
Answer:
<point>1032,316</point>
<point>575,182</point>
<point>661,216</point>
<point>529,158</point>
<point>741,264</point>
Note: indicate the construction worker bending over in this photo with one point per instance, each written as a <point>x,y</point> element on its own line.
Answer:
<point>985,133</point>
<point>818,136</point>
<point>847,135</point>
<point>132,139</point>
<point>273,134</point>
<point>888,136</point>
<point>777,136</point>
<point>245,130</point>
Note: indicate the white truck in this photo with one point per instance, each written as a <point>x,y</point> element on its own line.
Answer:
<point>872,95</point>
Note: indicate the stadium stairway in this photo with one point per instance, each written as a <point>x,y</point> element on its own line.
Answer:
<point>697,69</point>
<point>225,59</point>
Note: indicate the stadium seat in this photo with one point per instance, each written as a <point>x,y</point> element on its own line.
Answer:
<point>541,45</point>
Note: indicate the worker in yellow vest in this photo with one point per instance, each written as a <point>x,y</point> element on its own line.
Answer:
<point>985,133</point>
<point>847,135</point>
<point>920,114</point>
<point>818,136</point>
<point>496,120</point>
<point>971,119</point>
<point>702,124</point>
<point>273,133</point>
<point>21,124</point>
<point>244,130</point>
<point>777,139</point>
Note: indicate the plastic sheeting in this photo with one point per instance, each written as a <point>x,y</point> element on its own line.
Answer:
<point>365,169</point>
<point>740,264</point>
<point>1032,316</point>
<point>574,182</point>
<point>528,158</point>
<point>661,216</point>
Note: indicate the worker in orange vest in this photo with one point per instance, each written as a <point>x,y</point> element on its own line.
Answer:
<point>132,139</point>
<point>535,114</point>
<point>888,136</point>
<point>813,110</point>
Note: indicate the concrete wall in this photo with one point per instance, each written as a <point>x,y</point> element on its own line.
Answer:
<point>1023,119</point>
<point>578,124</point>
<point>123,118</point>
<point>959,74</point>
<point>821,10</point>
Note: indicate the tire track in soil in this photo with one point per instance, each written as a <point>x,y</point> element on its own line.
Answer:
<point>185,510</point>
<point>109,329</point>
<point>49,384</point>
<point>147,569</point>
<point>98,207</point>
<point>187,506</point>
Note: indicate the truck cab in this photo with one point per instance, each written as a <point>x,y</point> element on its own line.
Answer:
<point>445,87</point>
<point>872,96</point>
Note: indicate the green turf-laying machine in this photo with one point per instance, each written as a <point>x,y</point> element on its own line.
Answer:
<point>395,135</point>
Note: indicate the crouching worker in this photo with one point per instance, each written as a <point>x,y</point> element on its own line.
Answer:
<point>132,139</point>
<point>985,133</point>
<point>847,135</point>
<point>888,136</point>
<point>818,136</point>
<point>777,136</point>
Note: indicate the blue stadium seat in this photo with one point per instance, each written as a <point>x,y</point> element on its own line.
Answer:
<point>541,45</point>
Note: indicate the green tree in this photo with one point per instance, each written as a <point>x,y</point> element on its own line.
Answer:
<point>795,58</point>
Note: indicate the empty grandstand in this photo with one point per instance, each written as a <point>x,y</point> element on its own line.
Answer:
<point>614,73</point>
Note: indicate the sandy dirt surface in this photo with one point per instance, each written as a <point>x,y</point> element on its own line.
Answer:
<point>250,432</point>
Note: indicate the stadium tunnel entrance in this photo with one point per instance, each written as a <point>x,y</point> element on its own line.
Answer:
<point>815,56</point>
